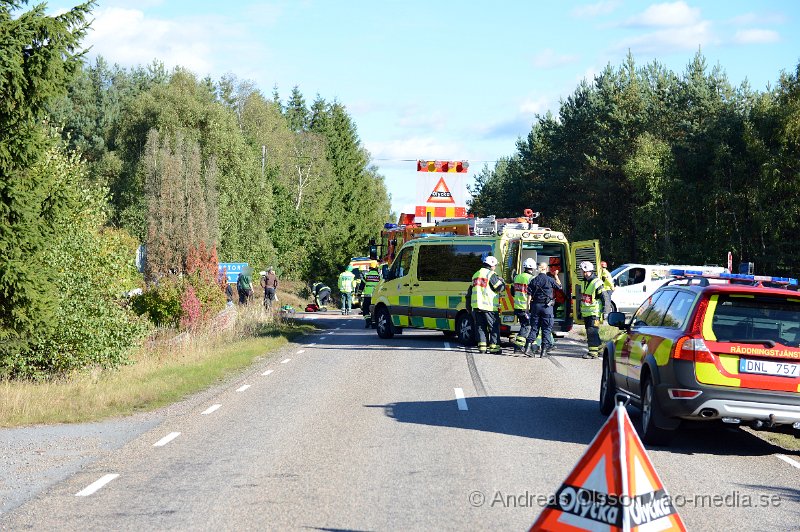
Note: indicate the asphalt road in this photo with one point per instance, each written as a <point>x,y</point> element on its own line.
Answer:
<point>344,431</point>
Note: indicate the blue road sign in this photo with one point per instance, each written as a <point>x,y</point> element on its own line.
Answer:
<point>232,270</point>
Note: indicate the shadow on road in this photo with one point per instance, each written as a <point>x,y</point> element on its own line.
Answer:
<point>544,418</point>
<point>565,420</point>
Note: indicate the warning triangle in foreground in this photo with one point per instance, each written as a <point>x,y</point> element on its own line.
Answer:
<point>441,194</point>
<point>614,486</point>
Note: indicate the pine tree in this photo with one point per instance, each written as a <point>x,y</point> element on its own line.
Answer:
<point>38,57</point>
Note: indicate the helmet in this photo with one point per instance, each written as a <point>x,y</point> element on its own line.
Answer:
<point>349,268</point>
<point>373,264</point>
<point>587,266</point>
<point>603,264</point>
<point>491,261</point>
<point>263,273</point>
<point>529,264</point>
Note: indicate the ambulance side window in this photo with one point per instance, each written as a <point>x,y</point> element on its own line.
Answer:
<point>401,264</point>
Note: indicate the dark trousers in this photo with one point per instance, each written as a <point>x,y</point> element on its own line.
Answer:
<point>541,319</point>
<point>323,297</point>
<point>487,321</point>
<point>365,304</point>
<point>524,326</point>
<point>592,324</point>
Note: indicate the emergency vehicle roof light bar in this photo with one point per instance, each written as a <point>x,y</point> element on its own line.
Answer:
<point>735,277</point>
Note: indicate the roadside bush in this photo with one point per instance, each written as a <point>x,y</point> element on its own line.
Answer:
<point>161,302</point>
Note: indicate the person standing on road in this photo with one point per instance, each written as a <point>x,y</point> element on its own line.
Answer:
<point>522,303</point>
<point>541,289</point>
<point>608,285</point>
<point>593,301</point>
<point>371,280</point>
<point>484,300</point>
<point>346,282</point>
<point>269,282</point>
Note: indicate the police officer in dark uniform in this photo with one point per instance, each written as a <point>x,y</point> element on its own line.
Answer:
<point>541,292</point>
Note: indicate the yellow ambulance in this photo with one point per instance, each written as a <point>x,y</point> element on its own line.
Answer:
<point>426,284</point>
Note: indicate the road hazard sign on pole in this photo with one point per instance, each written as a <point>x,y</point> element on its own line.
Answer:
<point>614,486</point>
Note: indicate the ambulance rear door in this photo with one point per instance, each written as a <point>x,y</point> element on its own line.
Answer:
<point>580,251</point>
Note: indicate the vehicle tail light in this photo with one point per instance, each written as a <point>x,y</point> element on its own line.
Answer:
<point>680,393</point>
<point>692,349</point>
<point>700,313</point>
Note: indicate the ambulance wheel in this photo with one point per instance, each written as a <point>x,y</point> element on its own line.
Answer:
<point>465,329</point>
<point>652,434</point>
<point>383,323</point>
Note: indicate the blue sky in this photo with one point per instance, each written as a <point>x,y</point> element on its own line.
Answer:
<point>443,79</point>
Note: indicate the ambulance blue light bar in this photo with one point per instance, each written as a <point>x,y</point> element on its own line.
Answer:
<point>735,277</point>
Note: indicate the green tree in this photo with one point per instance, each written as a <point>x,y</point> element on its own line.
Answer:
<point>38,56</point>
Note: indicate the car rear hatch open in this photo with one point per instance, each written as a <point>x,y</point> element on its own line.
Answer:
<point>752,341</point>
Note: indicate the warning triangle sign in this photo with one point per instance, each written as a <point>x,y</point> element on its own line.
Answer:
<point>441,194</point>
<point>614,486</point>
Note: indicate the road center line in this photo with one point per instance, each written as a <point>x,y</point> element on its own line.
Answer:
<point>788,460</point>
<point>301,352</point>
<point>462,403</point>
<point>210,409</point>
<point>166,439</point>
<point>267,372</point>
<point>243,388</point>
<point>324,338</point>
<point>96,485</point>
<point>285,360</point>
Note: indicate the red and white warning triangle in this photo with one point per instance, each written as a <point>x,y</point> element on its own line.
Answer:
<point>614,486</point>
<point>441,194</point>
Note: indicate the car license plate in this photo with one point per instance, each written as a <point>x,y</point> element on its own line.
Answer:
<point>508,319</point>
<point>768,367</point>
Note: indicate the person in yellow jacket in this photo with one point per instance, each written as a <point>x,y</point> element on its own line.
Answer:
<point>484,300</point>
<point>522,303</point>
<point>592,307</point>
<point>371,280</point>
<point>608,284</point>
<point>346,285</point>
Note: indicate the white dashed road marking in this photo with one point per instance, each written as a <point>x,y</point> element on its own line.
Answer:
<point>243,388</point>
<point>788,460</point>
<point>301,352</point>
<point>324,338</point>
<point>285,360</point>
<point>448,346</point>
<point>210,409</point>
<point>462,403</point>
<point>166,439</point>
<point>96,485</point>
<point>267,372</point>
<point>310,345</point>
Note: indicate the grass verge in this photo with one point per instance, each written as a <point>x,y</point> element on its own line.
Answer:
<point>160,374</point>
<point>782,439</point>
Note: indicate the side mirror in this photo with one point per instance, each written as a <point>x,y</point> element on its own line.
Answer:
<point>616,319</point>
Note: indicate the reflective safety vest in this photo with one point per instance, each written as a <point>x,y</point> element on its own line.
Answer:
<point>608,282</point>
<point>590,304</point>
<point>346,281</point>
<point>521,290</point>
<point>485,296</point>
<point>371,279</point>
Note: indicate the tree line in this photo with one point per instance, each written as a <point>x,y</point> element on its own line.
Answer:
<point>97,159</point>
<point>663,167</point>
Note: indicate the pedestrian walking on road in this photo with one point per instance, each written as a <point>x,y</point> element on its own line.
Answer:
<point>483,296</point>
<point>269,282</point>
<point>244,285</point>
<point>522,303</point>
<point>346,285</point>
<point>542,293</point>
<point>593,303</point>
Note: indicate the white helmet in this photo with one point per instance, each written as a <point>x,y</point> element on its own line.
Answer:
<point>490,260</point>
<point>263,273</point>
<point>587,266</point>
<point>529,264</point>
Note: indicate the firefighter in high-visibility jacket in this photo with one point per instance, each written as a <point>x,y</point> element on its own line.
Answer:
<point>484,301</point>
<point>522,303</point>
<point>593,303</point>
<point>346,282</point>
<point>371,280</point>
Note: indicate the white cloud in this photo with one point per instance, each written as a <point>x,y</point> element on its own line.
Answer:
<point>535,106</point>
<point>756,36</point>
<point>670,40</point>
<point>666,15</point>
<point>204,45</point>
<point>593,10</point>
<point>548,58</point>
<point>749,19</point>
<point>405,152</point>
